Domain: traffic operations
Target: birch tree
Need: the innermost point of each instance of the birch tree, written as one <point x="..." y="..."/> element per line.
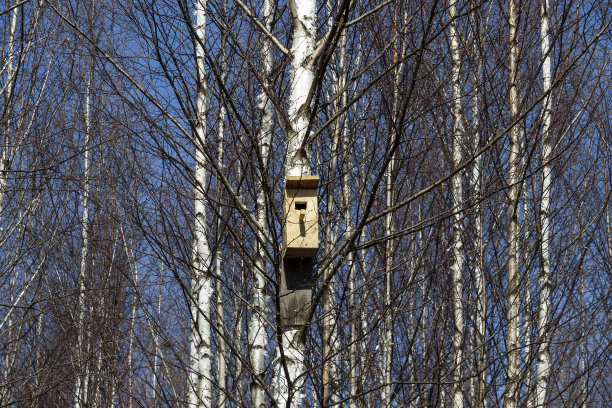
<point x="220" y="309"/>
<point x="512" y="315"/>
<point x="200" y="387"/>
<point x="457" y="195"/>
<point x="543" y="356"/>
<point x="7" y="90"/>
<point x="258" y="324"/>
<point x="330" y="337"/>
<point x="476" y="182"/>
<point x="81" y="382"/>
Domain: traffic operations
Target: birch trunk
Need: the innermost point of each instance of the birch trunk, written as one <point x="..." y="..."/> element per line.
<point x="155" y="333"/>
<point x="221" y="356"/>
<point x="200" y="392"/>
<point x="512" y="346"/>
<point x="257" y="330"/>
<point x="543" y="357"/>
<point x="303" y="15"/>
<point x="330" y="338"/>
<point x="10" y="77"/>
<point x="97" y="396"/>
<point x="80" y="386"/>
<point x="351" y="276"/>
<point x="221" y="350"/>
<point x="388" y="313"/>
<point x="38" y="363"/>
<point x="350" y="259"/>
<point x="476" y="180"/>
<point x="457" y="195"/>
<point x="7" y="152"/>
<point x="582" y="350"/>
<point x="329" y="318"/>
<point x="132" y="335"/>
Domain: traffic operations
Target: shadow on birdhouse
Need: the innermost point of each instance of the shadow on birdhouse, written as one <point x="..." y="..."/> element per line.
<point x="296" y="291"/>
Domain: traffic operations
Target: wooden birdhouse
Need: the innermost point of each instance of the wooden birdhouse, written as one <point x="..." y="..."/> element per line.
<point x="300" y="246"/>
<point x="301" y="217"/>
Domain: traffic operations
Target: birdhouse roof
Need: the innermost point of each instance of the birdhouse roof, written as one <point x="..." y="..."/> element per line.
<point x="302" y="182"/>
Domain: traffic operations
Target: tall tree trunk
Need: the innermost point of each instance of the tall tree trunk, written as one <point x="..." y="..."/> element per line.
<point x="155" y="333"/>
<point x="258" y="327"/>
<point x="221" y="332"/>
<point x="543" y="358"/>
<point x="80" y="386"/>
<point x="457" y="196"/>
<point x="329" y="315"/>
<point x="7" y="152"/>
<point x="476" y="181"/>
<point x="303" y="15"/>
<point x="132" y="333"/>
<point x="399" y="52"/>
<point x="221" y="346"/>
<point x="388" y="312"/>
<point x="330" y="338"/>
<point x="97" y="397"/>
<point x="6" y="131"/>
<point x="38" y="363"/>
<point x="355" y="315"/>
<point x="351" y="273"/>
<point x="512" y="346"/>
<point x="200" y="391"/>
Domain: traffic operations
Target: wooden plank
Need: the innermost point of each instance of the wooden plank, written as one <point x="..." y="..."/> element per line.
<point x="296" y="291"/>
<point x="302" y="182"/>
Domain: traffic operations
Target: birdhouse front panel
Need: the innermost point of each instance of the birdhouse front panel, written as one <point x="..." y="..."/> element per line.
<point x="301" y="223"/>
<point x="296" y="291"/>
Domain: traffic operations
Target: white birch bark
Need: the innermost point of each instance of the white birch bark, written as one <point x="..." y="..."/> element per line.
<point x="389" y="315"/>
<point x="424" y="298"/>
<point x="38" y="365"/>
<point x="81" y="380"/>
<point x="303" y="15"/>
<point x="329" y="318"/>
<point x="346" y="186"/>
<point x="350" y="259"/>
<point x="387" y="352"/>
<point x="293" y="348"/>
<point x="257" y="331"/>
<point x="97" y="396"/>
<point x="512" y="346"/>
<point x="155" y="333"/>
<point x="132" y="333"/>
<point x="10" y="73"/>
<point x="330" y="337"/>
<point x="221" y="348"/>
<point x="200" y="391"/>
<point x="457" y="196"/>
<point x="476" y="180"/>
<point x="582" y="349"/>
<point x="543" y="357"/>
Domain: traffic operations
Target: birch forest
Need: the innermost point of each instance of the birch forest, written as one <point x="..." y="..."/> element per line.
<point x="458" y="155"/>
